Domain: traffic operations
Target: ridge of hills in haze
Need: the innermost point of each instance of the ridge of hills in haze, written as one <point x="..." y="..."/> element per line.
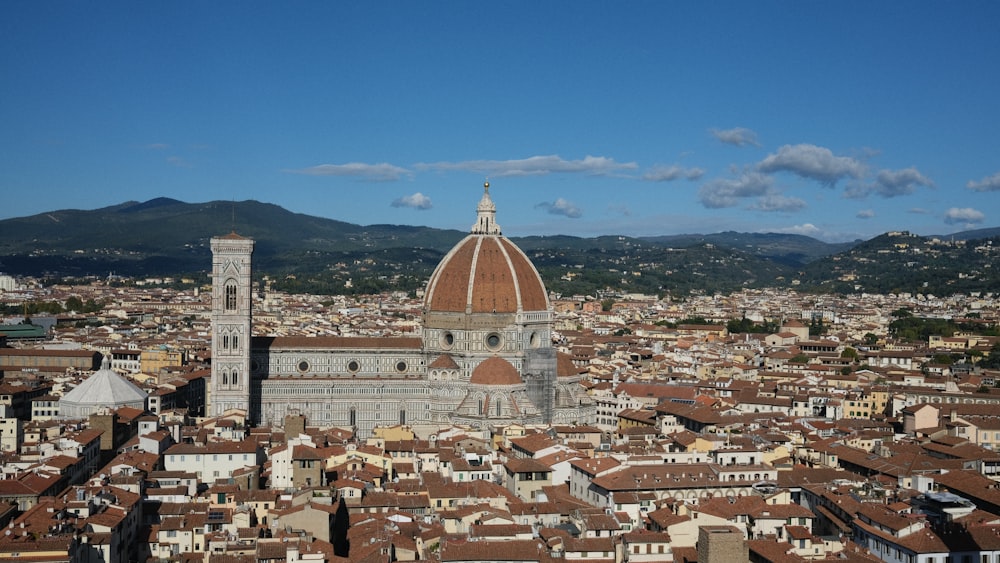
<point x="166" y="237"/>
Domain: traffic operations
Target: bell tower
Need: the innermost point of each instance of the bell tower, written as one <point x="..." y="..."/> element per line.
<point x="232" y="316"/>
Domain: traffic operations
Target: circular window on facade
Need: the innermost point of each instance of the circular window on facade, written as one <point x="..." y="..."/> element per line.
<point x="401" y="366"/>
<point x="447" y="340"/>
<point x="493" y="341"/>
<point x="303" y="366"/>
<point x="353" y="366"/>
<point x="533" y="340"/>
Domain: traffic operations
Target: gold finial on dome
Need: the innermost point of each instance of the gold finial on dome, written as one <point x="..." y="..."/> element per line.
<point x="486" y="185"/>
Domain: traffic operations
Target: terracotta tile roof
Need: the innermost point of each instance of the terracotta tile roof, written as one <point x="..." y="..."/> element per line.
<point x="444" y="361"/>
<point x="232" y="236"/>
<point x="565" y="366"/>
<point x="532" y="292"/>
<point x="495" y="371"/>
<point x="498" y="530"/>
<point x="494" y="288"/>
<point x="526" y="465"/>
<point x="454" y="550"/>
<point x="533" y="442"/>
<point x="485" y="274"/>
<point x="453" y="277"/>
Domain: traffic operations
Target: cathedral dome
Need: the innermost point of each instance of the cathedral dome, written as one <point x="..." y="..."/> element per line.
<point x="485" y="273"/>
<point x="495" y="371"/>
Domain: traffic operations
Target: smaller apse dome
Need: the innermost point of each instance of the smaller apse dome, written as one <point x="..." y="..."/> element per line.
<point x="495" y="371"/>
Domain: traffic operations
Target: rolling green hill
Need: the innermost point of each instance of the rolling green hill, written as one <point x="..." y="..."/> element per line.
<point x="311" y="254"/>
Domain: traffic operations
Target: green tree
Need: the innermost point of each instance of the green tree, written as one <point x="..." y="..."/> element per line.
<point x="992" y="360"/>
<point x="816" y="327"/>
<point x="942" y="359"/>
<point x="849" y="353"/>
<point x="742" y="325"/>
<point x="74" y="303"/>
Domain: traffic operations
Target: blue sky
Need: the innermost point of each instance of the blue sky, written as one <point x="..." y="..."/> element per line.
<point x="838" y="120"/>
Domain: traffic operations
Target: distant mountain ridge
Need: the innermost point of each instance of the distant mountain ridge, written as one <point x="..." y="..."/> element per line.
<point x="164" y="236"/>
<point x="788" y="249"/>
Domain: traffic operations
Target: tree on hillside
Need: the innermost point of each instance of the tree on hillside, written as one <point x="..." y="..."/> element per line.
<point x="902" y="313"/>
<point x="992" y="360"/>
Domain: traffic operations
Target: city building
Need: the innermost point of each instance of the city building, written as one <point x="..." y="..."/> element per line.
<point x="103" y="390"/>
<point x="484" y="355"/>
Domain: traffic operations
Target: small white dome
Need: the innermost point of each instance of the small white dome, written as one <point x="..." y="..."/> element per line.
<point x="103" y="389"/>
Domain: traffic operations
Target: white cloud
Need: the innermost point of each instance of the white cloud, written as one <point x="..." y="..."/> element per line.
<point x="918" y="211"/>
<point x="381" y="172"/>
<point x="892" y="183"/>
<point x="987" y="184"/>
<point x="778" y="202"/>
<point x="660" y="173"/>
<point x="534" y="166"/>
<point x="963" y="216"/>
<point x="738" y="136"/>
<point x="725" y="192"/>
<point x="865" y="214"/>
<point x="561" y="207"/>
<point x="416" y="201"/>
<point x="178" y="162"/>
<point x="811" y="161"/>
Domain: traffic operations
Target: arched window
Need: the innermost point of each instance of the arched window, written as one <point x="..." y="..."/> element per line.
<point x="235" y="379"/>
<point x="225" y="341"/>
<point x="231" y="296"/>
<point x="354" y="417"/>
<point x="498" y="407"/>
<point x="236" y="342"/>
<point x="225" y="378"/>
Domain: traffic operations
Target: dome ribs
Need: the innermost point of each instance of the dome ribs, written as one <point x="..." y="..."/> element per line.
<point x="494" y="289"/>
<point x="486" y="274"/>
<point x="532" y="295"/>
<point x="450" y="283"/>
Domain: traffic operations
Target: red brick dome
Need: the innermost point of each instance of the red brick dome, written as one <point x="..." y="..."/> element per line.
<point x="485" y="273"/>
<point x="495" y="371"/>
